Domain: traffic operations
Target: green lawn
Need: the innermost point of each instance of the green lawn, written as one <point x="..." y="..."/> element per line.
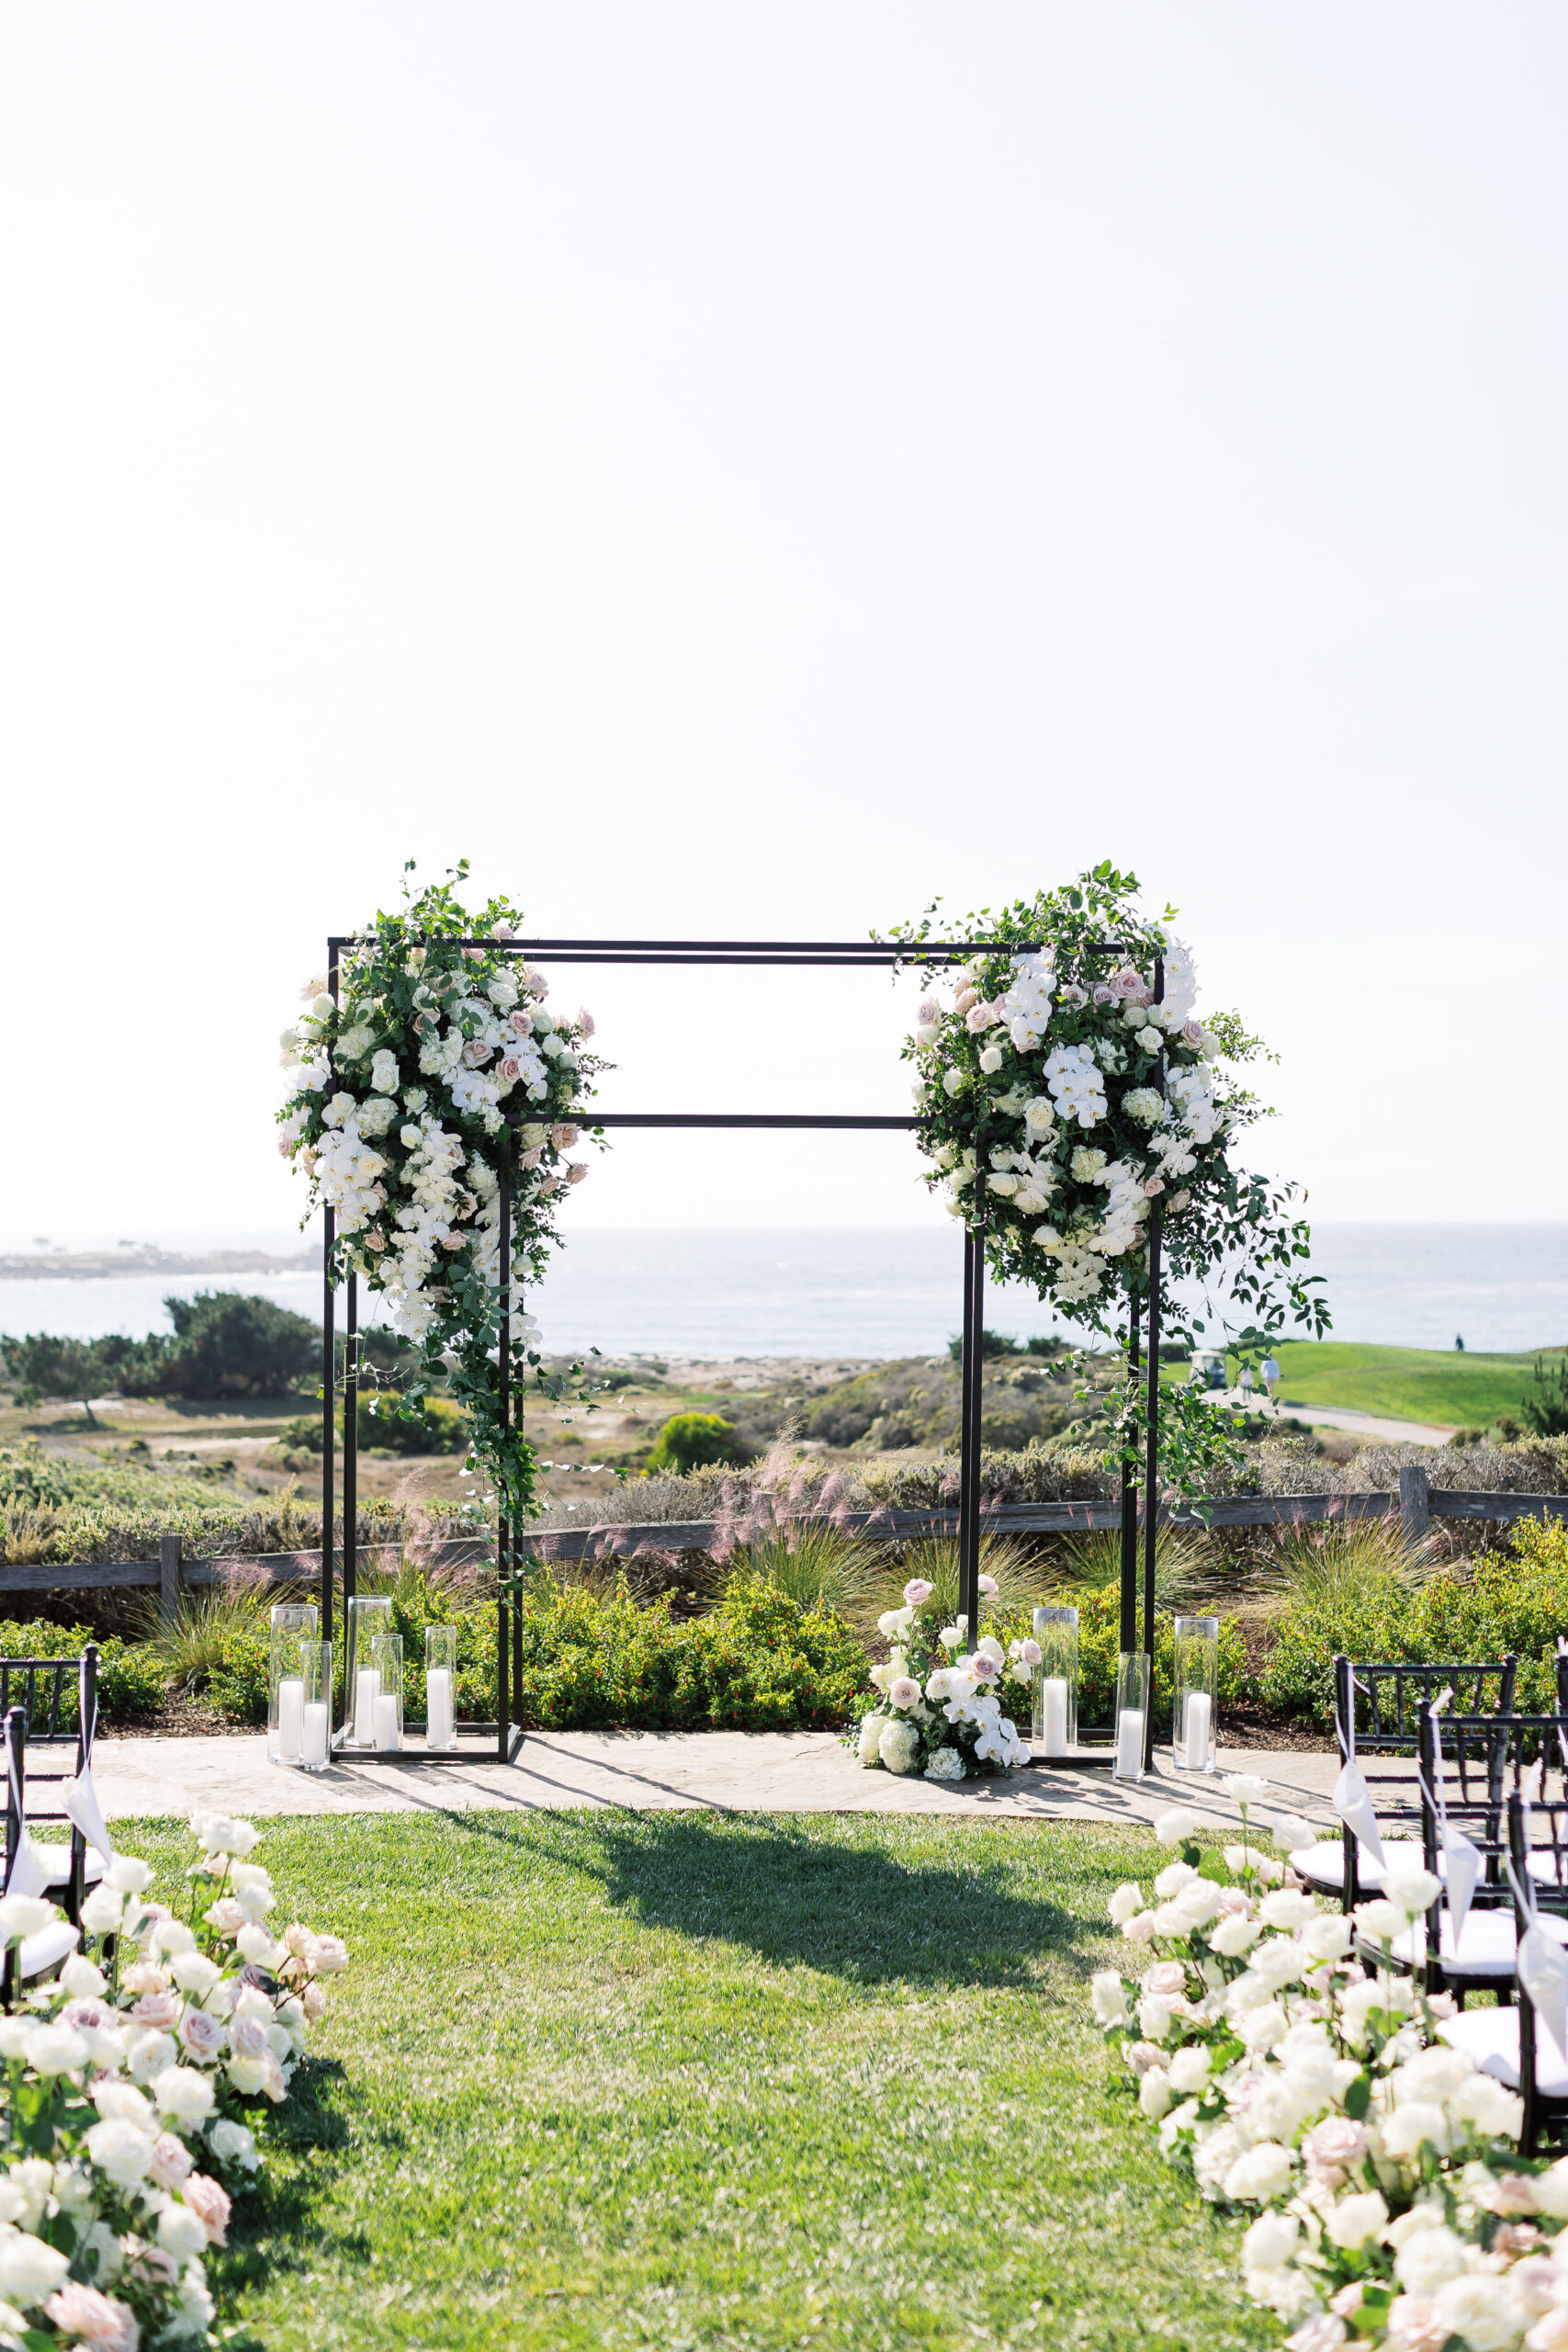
<point x="1406" y="1384"/>
<point x="680" y="2080"/>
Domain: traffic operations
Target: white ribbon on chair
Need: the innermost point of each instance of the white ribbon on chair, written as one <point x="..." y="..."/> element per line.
<point x="1461" y="1859"/>
<point x="1542" y="1963"/>
<point x="27" y="1871"/>
<point x="82" y="1808"/>
<point x="1352" y="1800"/>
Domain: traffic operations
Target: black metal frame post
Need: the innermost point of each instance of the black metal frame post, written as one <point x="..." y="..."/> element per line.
<point x="1151" y="1432"/>
<point x="511" y="1541"/>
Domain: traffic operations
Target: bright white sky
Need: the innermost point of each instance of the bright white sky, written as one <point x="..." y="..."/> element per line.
<point x="741" y="469"/>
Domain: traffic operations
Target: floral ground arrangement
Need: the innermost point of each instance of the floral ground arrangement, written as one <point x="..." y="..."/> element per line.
<point x="1292" y="2083"/>
<point x="606" y="2081"/>
<point x="133" y="2078"/>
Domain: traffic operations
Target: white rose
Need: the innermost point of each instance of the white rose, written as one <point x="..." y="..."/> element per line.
<point x="1287" y="1907"/>
<point x="1429" y="2258"/>
<point x="1108" y="1996"/>
<point x="1355" y="2219"/>
<point x="81" y="1979"/>
<point x="1175" y="1827"/>
<point x="28" y="2269"/>
<point x="1552" y="2191"/>
<point x="953" y="1081"/>
<point x="991" y="1061"/>
<point x="1124" y="1902"/>
<point x="1172" y="1879"/>
<point x="102" y="1911"/>
<point x="1234" y="1935"/>
<point x="1265" y="2171"/>
<point x="194" y="1973"/>
<point x="1190" y="2069"/>
<point x="1155" y="2094"/>
<point x="233" y="2143"/>
<point x="183" y="2095"/>
<point x="24" y="1915"/>
<point x="1328" y="1937"/>
<point x="121" y="2152"/>
<point x="1271" y="2242"/>
<point x="180" y="2232"/>
<point x="172" y="1935"/>
<point x="1484" y="2312"/>
<point x="870" y="1737"/>
<point x="1245" y="1788"/>
<point x="56" y="2049"/>
<point x="1381" y="1921"/>
<point x="1412" y="2127"/>
<point x="1492" y="2111"/>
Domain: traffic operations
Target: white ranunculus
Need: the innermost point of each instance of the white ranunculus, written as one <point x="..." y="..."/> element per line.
<point x="1481" y="2311"/>
<point x="1124" y="1902"/>
<point x="57" y="2050"/>
<point x="1155" y="2094"/>
<point x="181" y="2232"/>
<point x="120" y="2151"/>
<point x="1190" y="2069"/>
<point x="1268" y="2170"/>
<point x="1271" y="2242"/>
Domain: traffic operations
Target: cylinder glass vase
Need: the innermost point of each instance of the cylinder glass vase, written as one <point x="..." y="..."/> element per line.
<point x="386" y="1661"/>
<point x="441" y="1686"/>
<point x="368" y="1615"/>
<point x="1054" y="1729"/>
<point x="1196" y="1703"/>
<point x="1132" y="1713"/>
<point x="316" y="1706"/>
<point x="292" y="1623"/>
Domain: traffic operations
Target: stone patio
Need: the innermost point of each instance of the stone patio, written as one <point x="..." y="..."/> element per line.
<point x="656" y="1772"/>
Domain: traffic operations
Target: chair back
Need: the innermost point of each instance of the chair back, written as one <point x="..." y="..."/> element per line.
<point x="1377" y="1711"/>
<point x="1469" y="1765"/>
<point x="28" y="1788"/>
<point x="1537" y="1870"/>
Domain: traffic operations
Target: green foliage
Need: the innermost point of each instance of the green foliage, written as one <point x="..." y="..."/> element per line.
<point x="385" y="1423"/>
<point x="760" y="1662"/>
<point x="130" y="1679"/>
<point x="224" y="1344"/>
<point x="1545" y="1408"/>
<point x="689" y="1440"/>
<point x="1515" y="1600"/>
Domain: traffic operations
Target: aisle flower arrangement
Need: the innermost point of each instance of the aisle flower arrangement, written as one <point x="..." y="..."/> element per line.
<point x="398" y="1114"/>
<point x="129" y="2081"/>
<point x="942" y="1708"/>
<point x="1061" y="1092"/>
<point x="1393" y="2205"/>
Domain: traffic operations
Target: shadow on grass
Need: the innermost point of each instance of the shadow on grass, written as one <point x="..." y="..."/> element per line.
<point x="803" y="1897"/>
<point x="275" y="2225"/>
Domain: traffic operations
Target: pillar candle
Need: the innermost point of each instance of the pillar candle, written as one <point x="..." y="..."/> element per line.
<point x="313" y="1734"/>
<point x="290" y="1716"/>
<point x="1054" y="1715"/>
<point x="386" y="1733"/>
<point x="439" y="1729"/>
<point x="367" y="1691"/>
<point x="1130" y="1744"/>
<point x="1196" y="1726"/>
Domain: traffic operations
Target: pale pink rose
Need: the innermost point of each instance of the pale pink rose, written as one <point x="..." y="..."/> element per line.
<point x="329" y="1955"/>
<point x="1534" y="2281"/>
<point x="585" y="1022"/>
<point x="1516" y="2238"/>
<point x="93" y="2318"/>
<point x="1414" y="2325"/>
<point x="228" y="1917"/>
<point x="1442" y="2004"/>
<point x="1349" y="2301"/>
<point x="576" y="1170"/>
<point x="373" y="1241"/>
<point x="1142" y="2055"/>
<point x="983" y="1668"/>
<point x="966" y="997"/>
<point x="1103" y="992"/>
<point x="927" y="1011"/>
<point x="1192" y="1033"/>
<point x="145" y="1977"/>
<point x="1126" y="982"/>
<point x="296" y="1939"/>
<point x="1513" y="2193"/>
<point x="160" y="2010"/>
<point x="1152" y="1186"/>
<point x="1332" y="2147"/>
<point x="313" y="2001"/>
<point x="1166" y="1977"/>
<point x="1029" y="1652"/>
<point x="552" y="1184"/>
<point x="524" y="1023"/>
<point x="532" y="1159"/>
<point x="1550" y="2333"/>
<point x="1323" y="2333"/>
<point x="202" y="2035"/>
<point x="1140" y="1927"/>
<point x="917" y="1592"/>
<point x="978" y="1017"/>
<point x="536" y="983"/>
<point x="563" y="1138"/>
<point x="158" y="2269"/>
<point x="511" y="1067"/>
<point x="93" y="2016"/>
<point x="451" y="1241"/>
<point x="1235" y="1903"/>
<point x="473" y="955"/>
<point x="987" y="1587"/>
<point x="905" y="1693"/>
<point x="171" y="2161"/>
<point x="210" y="2204"/>
<point x="247" y="2037"/>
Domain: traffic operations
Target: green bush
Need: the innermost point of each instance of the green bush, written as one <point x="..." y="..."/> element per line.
<point x="1513" y="1600"/>
<point x="130" y="1679"/>
<point x="433" y="1426"/>
<point x="689" y="1440"/>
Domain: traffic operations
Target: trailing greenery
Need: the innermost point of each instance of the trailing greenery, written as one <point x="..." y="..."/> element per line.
<point x="1512" y="1600"/>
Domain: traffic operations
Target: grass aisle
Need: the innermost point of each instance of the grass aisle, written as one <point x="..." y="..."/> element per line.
<point x="682" y="2080"/>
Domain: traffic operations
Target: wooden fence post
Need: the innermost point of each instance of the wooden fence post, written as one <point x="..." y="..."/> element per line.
<point x="168" y="1579"/>
<point x="1415" y="1503"/>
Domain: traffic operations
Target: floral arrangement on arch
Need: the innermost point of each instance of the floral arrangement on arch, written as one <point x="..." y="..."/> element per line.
<point x="399" y="1115"/>
<point x="940" y="1712"/>
<point x="1058" y="1094"/>
<point x="1393" y="2207"/>
<point x="127" y="2081"/>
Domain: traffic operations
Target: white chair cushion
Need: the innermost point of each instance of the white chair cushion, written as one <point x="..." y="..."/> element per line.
<point x="1491" y="2038"/>
<point x="1323" y="1865"/>
<point x="56" y="1863"/>
<point x="45" y="1950"/>
<point x="1487" y="1943"/>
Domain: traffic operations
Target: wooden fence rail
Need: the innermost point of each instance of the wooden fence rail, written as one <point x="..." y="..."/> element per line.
<point x="1418" y="1502"/>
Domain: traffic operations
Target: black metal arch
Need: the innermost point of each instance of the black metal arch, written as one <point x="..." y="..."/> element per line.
<point x="844" y="955"/>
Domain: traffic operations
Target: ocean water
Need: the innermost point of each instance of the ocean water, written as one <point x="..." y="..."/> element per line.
<point x="891" y="1291"/>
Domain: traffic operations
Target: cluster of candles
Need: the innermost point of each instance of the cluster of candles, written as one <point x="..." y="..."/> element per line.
<point x="300" y="1685"/>
<point x="1054" y="1731"/>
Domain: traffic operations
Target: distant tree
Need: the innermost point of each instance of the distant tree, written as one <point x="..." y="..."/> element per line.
<point x="1546" y="1407"/>
<point x="688" y="1440"/>
<point x="228" y="1344"/>
<point x="42" y="1365"/>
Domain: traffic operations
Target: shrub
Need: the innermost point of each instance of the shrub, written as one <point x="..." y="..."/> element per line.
<point x="1515" y="1599"/>
<point x="689" y="1440"/>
